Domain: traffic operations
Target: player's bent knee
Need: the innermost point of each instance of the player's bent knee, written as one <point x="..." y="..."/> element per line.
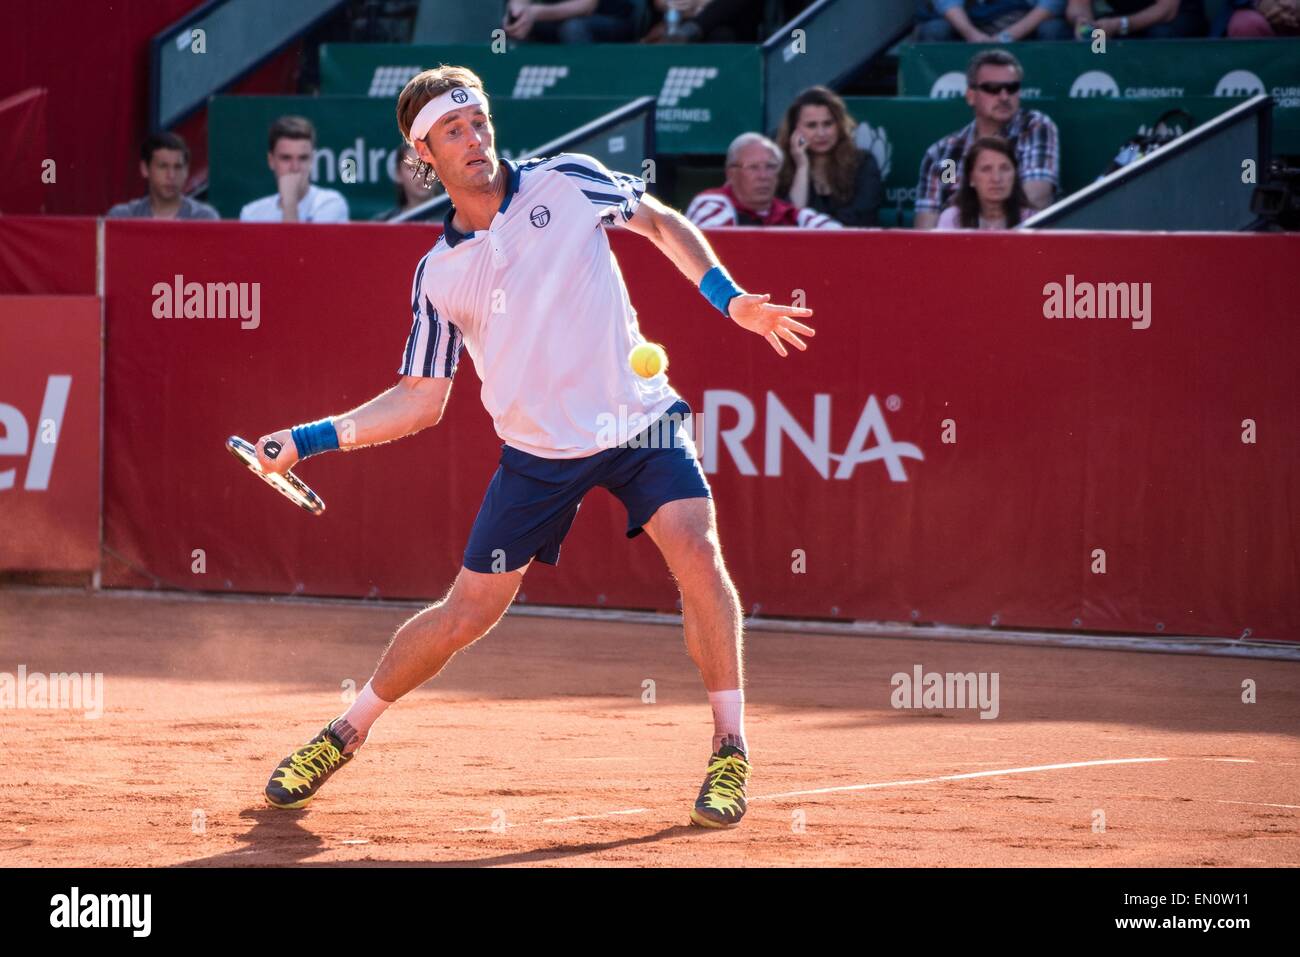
<point x="468" y="623"/>
<point x="696" y="556"/>
<point x="476" y="603"/>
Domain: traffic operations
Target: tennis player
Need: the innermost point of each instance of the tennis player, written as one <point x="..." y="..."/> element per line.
<point x="523" y="277"/>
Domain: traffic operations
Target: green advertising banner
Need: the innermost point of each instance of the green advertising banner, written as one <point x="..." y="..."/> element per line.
<point x="707" y="94"/>
<point x="357" y="143"/>
<point x="898" y="131"/>
<point x="1130" y="70"/>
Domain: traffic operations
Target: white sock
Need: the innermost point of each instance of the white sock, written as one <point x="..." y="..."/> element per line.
<point x="728" y="718"/>
<point x="354" y="725"/>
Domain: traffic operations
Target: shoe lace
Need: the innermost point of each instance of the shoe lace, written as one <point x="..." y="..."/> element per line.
<point x="727" y="776"/>
<point x="314" y="759"/>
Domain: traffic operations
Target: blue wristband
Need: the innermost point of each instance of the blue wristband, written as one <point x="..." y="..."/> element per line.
<point x="719" y="288"/>
<point x="314" y="438"/>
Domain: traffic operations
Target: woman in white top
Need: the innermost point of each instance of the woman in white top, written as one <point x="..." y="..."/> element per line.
<point x="991" y="194"/>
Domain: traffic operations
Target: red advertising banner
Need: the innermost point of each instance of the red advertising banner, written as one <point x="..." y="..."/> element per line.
<point x="50" y="255"/>
<point x="967" y="440"/>
<point x="49" y="433"/>
<point x="96" y="149"/>
<point x="24" y="152"/>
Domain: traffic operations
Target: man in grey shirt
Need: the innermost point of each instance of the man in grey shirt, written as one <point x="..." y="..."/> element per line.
<point x="164" y="165"/>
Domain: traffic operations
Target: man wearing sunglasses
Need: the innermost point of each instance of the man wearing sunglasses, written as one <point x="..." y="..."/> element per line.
<point x="993" y="92"/>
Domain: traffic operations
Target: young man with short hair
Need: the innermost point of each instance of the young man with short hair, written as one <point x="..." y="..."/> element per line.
<point x="164" y="166"/>
<point x="291" y="145"/>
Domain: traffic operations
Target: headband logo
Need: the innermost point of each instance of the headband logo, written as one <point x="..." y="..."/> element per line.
<point x="460" y="96"/>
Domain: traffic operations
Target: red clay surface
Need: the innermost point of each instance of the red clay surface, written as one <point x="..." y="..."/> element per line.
<point x="543" y="720"/>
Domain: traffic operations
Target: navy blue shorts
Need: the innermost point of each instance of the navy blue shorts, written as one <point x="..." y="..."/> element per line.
<point x="531" y="501"/>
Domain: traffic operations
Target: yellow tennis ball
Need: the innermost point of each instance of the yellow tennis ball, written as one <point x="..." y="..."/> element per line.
<point x="648" y="360"/>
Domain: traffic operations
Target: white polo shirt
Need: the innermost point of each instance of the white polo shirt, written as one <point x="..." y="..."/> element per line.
<point x="319" y="205"/>
<point x="538" y="300"/>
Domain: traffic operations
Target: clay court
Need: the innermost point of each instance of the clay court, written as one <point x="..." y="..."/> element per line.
<point x="535" y="748"/>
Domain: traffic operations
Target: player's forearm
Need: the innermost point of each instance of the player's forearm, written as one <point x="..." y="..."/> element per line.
<point x="681" y="241"/>
<point x="391" y="415"/>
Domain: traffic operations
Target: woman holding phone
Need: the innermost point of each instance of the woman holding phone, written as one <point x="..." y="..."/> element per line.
<point x="823" y="168"/>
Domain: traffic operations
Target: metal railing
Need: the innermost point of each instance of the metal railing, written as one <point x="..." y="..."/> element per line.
<point x="217" y="44"/>
<point x="826" y="44"/>
<point x="1198" y="182"/>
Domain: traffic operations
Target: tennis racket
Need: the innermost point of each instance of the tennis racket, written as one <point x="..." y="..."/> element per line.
<point x="288" y="484"/>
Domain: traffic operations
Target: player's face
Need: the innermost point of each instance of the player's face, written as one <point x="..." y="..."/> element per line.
<point x="753" y="175"/>
<point x="166" y="172"/>
<point x="992" y="177"/>
<point x="997" y="107"/>
<point x="463" y="150"/>
<point x="817" y="126"/>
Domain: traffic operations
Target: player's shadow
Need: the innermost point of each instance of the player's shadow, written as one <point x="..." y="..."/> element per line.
<point x="279" y="838"/>
<point x="542" y="855"/>
<point x="276" y="839"/>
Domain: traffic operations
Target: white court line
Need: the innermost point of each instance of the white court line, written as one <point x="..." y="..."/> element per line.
<point x="1292" y="807"/>
<point x="955" y="777"/>
<point x="847" y="787"/>
<point x="551" y="820"/>
<point x="584" y="817"/>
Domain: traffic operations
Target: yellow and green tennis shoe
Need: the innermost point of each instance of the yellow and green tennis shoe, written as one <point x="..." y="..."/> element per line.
<point x="722" y="798"/>
<point x="299" y="776"/>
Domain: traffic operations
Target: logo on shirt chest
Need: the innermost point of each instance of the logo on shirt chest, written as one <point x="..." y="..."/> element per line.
<point x="539" y="216"/>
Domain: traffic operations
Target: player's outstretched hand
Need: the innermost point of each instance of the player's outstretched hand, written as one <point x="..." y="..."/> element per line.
<point x="276" y="452"/>
<point x="774" y="323"/>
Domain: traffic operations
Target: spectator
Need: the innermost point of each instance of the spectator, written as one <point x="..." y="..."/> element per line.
<point x="1265" y="18"/>
<point x="290" y="146"/>
<point x="991" y="195"/>
<point x="165" y="166"/>
<point x="571" y="21"/>
<point x="1147" y="19"/>
<point x="991" y="21"/>
<point x="711" y="21"/>
<point x="993" y="92"/>
<point x="416" y="184"/>
<point x="748" y="198"/>
<point x="822" y="167"/>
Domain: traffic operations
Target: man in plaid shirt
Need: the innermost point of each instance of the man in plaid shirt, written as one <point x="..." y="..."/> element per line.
<point x="993" y="92"/>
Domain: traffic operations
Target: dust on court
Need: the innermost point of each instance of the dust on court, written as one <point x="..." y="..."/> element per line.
<point x="537" y="747"/>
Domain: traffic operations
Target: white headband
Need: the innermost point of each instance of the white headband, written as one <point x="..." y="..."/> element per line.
<point x="439" y="106"/>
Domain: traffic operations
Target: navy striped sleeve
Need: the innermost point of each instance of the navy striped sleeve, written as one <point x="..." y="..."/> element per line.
<point x="613" y="197"/>
<point x="434" y="343"/>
